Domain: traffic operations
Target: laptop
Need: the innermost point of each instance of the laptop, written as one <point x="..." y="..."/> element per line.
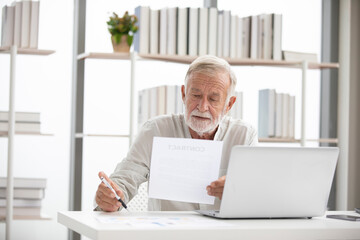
<point x="277" y="182"/>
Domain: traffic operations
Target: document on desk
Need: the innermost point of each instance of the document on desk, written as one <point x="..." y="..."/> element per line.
<point x="181" y="168"/>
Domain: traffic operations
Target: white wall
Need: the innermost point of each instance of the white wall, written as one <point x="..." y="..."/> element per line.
<point x="44" y="84"/>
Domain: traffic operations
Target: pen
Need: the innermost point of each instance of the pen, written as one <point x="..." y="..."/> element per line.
<point x="117" y="197"/>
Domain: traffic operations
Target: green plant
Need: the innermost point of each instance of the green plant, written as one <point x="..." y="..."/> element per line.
<point x="120" y="26"/>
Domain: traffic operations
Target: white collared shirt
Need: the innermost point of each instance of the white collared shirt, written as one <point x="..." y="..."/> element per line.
<point x="134" y="168"/>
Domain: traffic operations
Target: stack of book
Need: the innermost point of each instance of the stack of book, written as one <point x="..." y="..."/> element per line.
<point x="167" y="99"/>
<point x="28" y="195"/>
<point x="25" y="122"/>
<point x="200" y="31"/>
<point x="276" y="114"/>
<point x="20" y="24"/>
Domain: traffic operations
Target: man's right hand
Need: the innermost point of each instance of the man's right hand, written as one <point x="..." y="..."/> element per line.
<point x="105" y="198"/>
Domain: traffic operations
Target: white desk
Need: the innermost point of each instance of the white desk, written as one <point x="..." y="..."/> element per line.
<point x="90" y="225"/>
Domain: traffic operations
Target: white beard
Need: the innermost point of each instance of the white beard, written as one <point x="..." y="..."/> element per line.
<point x="199" y="126"/>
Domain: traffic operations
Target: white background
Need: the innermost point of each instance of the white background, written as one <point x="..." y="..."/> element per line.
<point x="44" y="85"/>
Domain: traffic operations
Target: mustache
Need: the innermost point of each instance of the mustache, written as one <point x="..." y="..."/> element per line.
<point x="197" y="113"/>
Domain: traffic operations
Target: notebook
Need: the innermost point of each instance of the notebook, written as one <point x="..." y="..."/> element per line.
<point x="277" y="182"/>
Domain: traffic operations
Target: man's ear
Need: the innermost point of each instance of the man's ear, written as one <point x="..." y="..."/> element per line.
<point x="231" y="102"/>
<point x="183" y="93"/>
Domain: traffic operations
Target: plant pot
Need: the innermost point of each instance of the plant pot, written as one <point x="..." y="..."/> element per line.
<point x="122" y="46"/>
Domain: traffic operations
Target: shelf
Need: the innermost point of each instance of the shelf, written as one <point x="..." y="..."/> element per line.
<point x="82" y="135"/>
<point x="5" y="134"/>
<point x="42" y="217"/>
<point x="98" y="55"/>
<point x="242" y="62"/>
<point x="287" y="140"/>
<point x="27" y="51"/>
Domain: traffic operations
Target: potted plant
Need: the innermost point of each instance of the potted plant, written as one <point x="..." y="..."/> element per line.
<point x="122" y="31"/>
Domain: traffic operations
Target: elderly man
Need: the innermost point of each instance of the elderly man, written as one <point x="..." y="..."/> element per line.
<point x="208" y="97"/>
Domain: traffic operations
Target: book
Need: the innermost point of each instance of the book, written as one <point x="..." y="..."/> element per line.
<point x="25" y="193"/>
<point x="203" y="31"/>
<point x="299" y="56"/>
<point x="285" y="116"/>
<point x="22" y="203"/>
<point x="28" y="127"/>
<point x="237" y="109"/>
<point x="226" y="34"/>
<point x="267" y="48"/>
<point x="276" y="36"/>
<point x="254" y="37"/>
<point x="153" y="105"/>
<point x="239" y="37"/>
<point x="154" y="31"/>
<point x="246" y="37"/>
<point x="171" y="31"/>
<point x="161" y="100"/>
<point x="291" y="129"/>
<point x="170" y="99"/>
<point x="17" y="23"/>
<point x="22" y="211"/>
<point x="163" y="30"/>
<point x="193" y="34"/>
<point x="21" y="116"/>
<point x="25" y="182"/>
<point x="212" y="34"/>
<point x="182" y="32"/>
<point x="34" y="24"/>
<point x="7" y="26"/>
<point x="25" y="24"/>
<point x="278" y="115"/>
<point x="179" y="101"/>
<point x="141" y="37"/>
<point x="220" y="33"/>
<point x="260" y="36"/>
<point x="233" y="36"/>
<point x="266" y="123"/>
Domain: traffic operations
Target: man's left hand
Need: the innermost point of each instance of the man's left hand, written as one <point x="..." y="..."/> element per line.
<point x="216" y="188"/>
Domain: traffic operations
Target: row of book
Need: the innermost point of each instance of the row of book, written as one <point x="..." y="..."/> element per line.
<point x="200" y="31"/>
<point x="167" y="99"/>
<point x="276" y="114"/>
<point x="28" y="196"/>
<point x="20" y="24"/>
<point x="25" y="122"/>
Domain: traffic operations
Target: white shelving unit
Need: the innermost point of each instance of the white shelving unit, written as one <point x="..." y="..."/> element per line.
<point x="14" y="51"/>
<point x="303" y="66"/>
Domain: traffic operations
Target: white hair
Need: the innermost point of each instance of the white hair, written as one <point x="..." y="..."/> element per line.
<point x="210" y="66"/>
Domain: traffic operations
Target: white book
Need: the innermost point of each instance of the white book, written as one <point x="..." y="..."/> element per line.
<point x="254" y="37"/>
<point x="22" y="211"/>
<point x="278" y="115"/>
<point x="212" y="37"/>
<point x="239" y="37"/>
<point x="203" y="31"/>
<point x="182" y="32"/>
<point x="267" y="50"/>
<point x="246" y="37"/>
<point x="140" y="117"/>
<point x="154" y="31"/>
<point x="153" y="104"/>
<point x="220" y="33"/>
<point x="277" y="36"/>
<point x="233" y="36"/>
<point x="161" y="100"/>
<point x="22" y="203"/>
<point x="179" y="101"/>
<point x="142" y="36"/>
<point x="291" y="129"/>
<point x="17" y="23"/>
<point x="171" y="37"/>
<point x="28" y="127"/>
<point x="34" y="24"/>
<point x="25" y="182"/>
<point x="170" y="99"/>
<point x="267" y="106"/>
<point x="285" y="116"/>
<point x="261" y="36"/>
<point x="236" y="110"/>
<point x="25" y="193"/>
<point x="226" y="34"/>
<point x="25" y="24"/>
<point x="145" y="102"/>
<point x="7" y="35"/>
<point x="21" y="116"/>
<point x="163" y="30"/>
<point x="193" y="31"/>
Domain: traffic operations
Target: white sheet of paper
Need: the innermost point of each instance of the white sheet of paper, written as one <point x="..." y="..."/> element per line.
<point x="181" y="168"/>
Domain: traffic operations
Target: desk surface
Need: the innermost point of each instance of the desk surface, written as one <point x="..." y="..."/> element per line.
<point x="191" y="225"/>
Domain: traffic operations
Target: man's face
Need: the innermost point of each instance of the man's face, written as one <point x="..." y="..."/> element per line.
<point x="205" y="101"/>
